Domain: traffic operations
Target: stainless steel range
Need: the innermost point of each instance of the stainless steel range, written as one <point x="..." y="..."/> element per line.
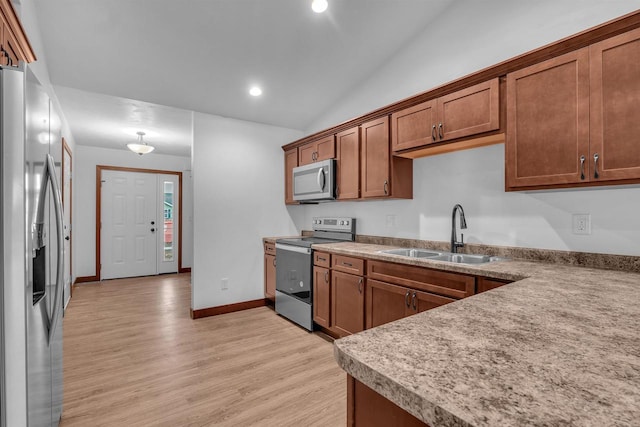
<point x="294" y="268"/>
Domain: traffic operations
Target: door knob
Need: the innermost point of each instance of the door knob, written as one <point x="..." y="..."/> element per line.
<point x="153" y="230"/>
<point x="153" y="223"/>
<point x="66" y="238"/>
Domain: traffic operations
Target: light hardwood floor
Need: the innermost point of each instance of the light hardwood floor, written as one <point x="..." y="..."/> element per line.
<point x="134" y="357"/>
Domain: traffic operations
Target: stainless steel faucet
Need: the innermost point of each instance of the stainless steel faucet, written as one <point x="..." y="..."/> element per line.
<point x="463" y="225"/>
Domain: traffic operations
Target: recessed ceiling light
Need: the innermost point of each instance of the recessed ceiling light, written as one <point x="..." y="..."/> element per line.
<point x="319" y="6"/>
<point x="255" y="91"/>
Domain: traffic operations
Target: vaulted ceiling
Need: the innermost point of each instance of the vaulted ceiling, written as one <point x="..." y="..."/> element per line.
<point x="111" y="60"/>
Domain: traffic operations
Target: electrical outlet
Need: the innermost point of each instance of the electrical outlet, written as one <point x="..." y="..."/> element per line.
<point x="391" y="220"/>
<point x="224" y="283"/>
<point x="581" y="223"/>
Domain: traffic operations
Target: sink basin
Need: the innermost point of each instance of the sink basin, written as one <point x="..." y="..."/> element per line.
<point x="413" y="253"/>
<point x="444" y="256"/>
<point x="467" y="258"/>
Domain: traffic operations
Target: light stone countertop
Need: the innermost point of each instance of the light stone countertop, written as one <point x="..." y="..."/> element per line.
<point x="561" y="346"/>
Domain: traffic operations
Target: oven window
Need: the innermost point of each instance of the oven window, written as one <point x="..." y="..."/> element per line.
<point x="293" y="274"/>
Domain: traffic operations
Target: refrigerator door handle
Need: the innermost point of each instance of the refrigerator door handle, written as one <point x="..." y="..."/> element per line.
<point x="49" y="175"/>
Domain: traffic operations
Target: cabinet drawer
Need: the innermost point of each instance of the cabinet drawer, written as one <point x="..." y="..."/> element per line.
<point x="348" y="264"/>
<point x="486" y="284"/>
<point x="439" y="282"/>
<point x="269" y="248"/>
<point x="322" y="259"/>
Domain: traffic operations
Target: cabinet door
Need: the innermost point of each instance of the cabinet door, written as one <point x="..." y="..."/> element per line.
<point x="290" y="162"/>
<point x="548" y="122"/>
<point x="469" y="111"/>
<point x="306" y="154"/>
<point x="325" y="148"/>
<point x="385" y="303"/>
<point x="347" y="303"/>
<point x="414" y="126"/>
<point x="375" y="158"/>
<point x="348" y="164"/>
<point x="615" y="108"/>
<point x="321" y="296"/>
<point x="423" y="301"/>
<point x="269" y="276"/>
<point x="10" y="46"/>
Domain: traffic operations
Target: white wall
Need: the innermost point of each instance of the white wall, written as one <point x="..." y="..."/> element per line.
<point x="85" y="161"/>
<point x="469" y="36"/>
<point x="238" y="184"/>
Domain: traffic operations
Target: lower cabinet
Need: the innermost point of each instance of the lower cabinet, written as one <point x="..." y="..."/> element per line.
<point x="367" y="408"/>
<point x="322" y="296"/>
<point x="347" y="303"/>
<point x="386" y="302"/>
<point x="486" y="284"/>
<point x="270" y="271"/>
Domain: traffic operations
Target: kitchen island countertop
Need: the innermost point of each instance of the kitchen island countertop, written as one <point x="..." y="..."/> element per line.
<point x="559" y="346"/>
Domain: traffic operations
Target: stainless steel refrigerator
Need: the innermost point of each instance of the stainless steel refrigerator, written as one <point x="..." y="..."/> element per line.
<point x="32" y="254"/>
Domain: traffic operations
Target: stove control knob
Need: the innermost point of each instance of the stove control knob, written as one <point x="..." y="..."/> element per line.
<point x="346" y="223"/>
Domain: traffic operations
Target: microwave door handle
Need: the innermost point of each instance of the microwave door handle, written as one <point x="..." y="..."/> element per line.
<point x="321" y="179"/>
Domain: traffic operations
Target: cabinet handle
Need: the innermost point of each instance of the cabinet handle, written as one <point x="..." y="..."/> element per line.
<point x="413" y="301"/>
<point x="433" y="133"/>
<point x="360" y="285"/>
<point x="274" y="262"/>
<point x="406" y="296"/>
<point x="440" y="130"/>
<point x="386" y="187"/>
<point x="321" y="259"/>
<point x="326" y="276"/>
<point x="595" y="166"/>
<point x="348" y="264"/>
<point x="582" y="167"/>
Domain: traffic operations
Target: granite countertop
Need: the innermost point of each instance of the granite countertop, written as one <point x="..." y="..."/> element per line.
<point x="560" y="346"/>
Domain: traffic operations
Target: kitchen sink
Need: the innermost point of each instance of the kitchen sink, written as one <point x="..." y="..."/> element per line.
<point x="444" y="256"/>
<point x="413" y="253"/>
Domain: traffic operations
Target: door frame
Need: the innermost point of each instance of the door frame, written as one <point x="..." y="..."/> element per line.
<point x="66" y="148"/>
<point x="99" y="169"/>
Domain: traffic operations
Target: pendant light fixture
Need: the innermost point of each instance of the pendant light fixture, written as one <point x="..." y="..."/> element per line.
<point x="141" y="147"/>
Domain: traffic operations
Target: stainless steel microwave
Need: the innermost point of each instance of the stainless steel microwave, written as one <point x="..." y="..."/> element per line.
<point x="315" y="182"/>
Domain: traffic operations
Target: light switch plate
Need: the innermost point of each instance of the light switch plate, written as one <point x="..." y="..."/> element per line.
<point x="581" y="224"/>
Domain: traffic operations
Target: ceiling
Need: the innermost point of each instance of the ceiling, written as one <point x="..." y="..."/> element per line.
<point x="203" y="55"/>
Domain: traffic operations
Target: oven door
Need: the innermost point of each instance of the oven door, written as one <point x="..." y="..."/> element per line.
<point x="294" y="271"/>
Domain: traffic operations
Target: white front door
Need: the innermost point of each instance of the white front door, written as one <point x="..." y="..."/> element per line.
<point x="130" y="227"/>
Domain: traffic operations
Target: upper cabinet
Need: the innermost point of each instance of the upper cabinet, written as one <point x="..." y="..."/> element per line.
<point x="383" y="175"/>
<point x="348" y="164"/>
<point x="572" y="120"/>
<point x="615" y="108"/>
<point x="316" y="151"/>
<point x="462" y="114"/>
<point x="14" y="45"/>
<point x="548" y="122"/>
<point x="290" y="162"/>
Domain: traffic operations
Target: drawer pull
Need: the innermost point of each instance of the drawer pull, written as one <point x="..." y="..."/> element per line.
<point x="321" y="259"/>
<point x="348" y="264"/>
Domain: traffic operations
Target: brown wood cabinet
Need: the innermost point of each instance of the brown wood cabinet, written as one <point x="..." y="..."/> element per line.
<point x="465" y="113"/>
<point x="290" y="162"/>
<point x="365" y="407"/>
<point x="382" y="175"/>
<point x="486" y="284"/>
<point x="347" y="303"/>
<point x="386" y="302"/>
<point x="348" y="164"/>
<point x="316" y="151"/>
<point x="572" y="120"/>
<point x="270" y="271"/>
<point x="444" y="283"/>
<point x="14" y="45"/>
<point x="548" y="122"/>
<point x="615" y="108"/>
<point x="322" y="296"/>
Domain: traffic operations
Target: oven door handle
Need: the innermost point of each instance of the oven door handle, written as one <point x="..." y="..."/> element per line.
<point x="290" y="248"/>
